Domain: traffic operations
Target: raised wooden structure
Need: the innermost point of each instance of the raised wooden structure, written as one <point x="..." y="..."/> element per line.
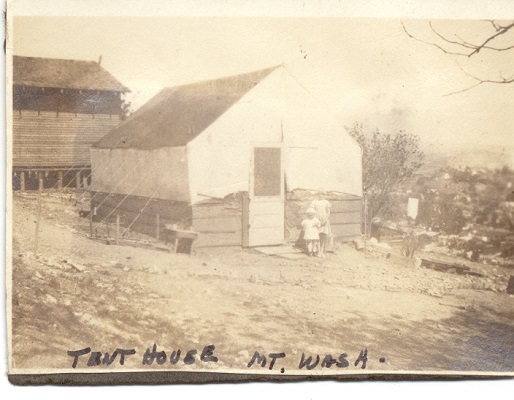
<point x="60" y="108"/>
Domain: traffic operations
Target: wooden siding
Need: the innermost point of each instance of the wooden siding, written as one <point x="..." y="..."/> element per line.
<point x="45" y="139"/>
<point x="218" y="222"/>
<point x="130" y="207"/>
<point x="346" y="218"/>
<point x="66" y="100"/>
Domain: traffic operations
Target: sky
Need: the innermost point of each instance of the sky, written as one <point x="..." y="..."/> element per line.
<point x="362" y="70"/>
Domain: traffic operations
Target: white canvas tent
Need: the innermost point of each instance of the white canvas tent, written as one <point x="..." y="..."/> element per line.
<point x="261" y="133"/>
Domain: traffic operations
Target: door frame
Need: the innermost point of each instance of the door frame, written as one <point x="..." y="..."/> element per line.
<point x="247" y="202"/>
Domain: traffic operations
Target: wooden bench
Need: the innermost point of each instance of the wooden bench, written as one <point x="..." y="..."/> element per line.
<point x="183" y="240"/>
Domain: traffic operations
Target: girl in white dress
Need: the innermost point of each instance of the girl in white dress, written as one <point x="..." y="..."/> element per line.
<point x="322" y="208"/>
<point x="311" y="226"/>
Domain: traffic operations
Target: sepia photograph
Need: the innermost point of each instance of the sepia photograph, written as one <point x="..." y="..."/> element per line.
<point x="259" y="198"/>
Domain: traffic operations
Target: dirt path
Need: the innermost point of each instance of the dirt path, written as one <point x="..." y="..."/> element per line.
<point x="79" y="293"/>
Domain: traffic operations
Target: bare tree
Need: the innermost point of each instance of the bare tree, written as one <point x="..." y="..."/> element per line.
<point x="457" y="46"/>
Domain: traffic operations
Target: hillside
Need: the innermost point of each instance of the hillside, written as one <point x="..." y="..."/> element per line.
<point x="492" y="158"/>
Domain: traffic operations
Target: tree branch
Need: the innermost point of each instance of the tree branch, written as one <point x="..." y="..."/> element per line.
<point x="469" y="49"/>
<point x="480" y="81"/>
<point x="464" y="90"/>
<point x="474" y="46"/>
<point x="495" y="25"/>
<point x="461" y="43"/>
<point x="502" y="80"/>
<point x="501" y="31"/>
<point x="432" y="44"/>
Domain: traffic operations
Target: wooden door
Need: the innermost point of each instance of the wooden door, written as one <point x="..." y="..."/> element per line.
<point x="266" y="203"/>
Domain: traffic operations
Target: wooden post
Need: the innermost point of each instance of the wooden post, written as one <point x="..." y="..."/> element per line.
<point x="245" y="220"/>
<point x="157" y="229"/>
<point x="77" y="180"/>
<point x="41" y="182"/>
<point x="117" y="238"/>
<point x="366" y="228"/>
<point x="365" y="212"/>
<point x="22" y="181"/>
<point x="510" y="285"/>
<point x="91" y="222"/>
<point x="84" y="182"/>
<point x="59" y="181"/>
<point x="38" y="212"/>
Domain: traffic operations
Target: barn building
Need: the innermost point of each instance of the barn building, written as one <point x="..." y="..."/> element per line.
<point x="237" y="159"/>
<point x="60" y="108"/>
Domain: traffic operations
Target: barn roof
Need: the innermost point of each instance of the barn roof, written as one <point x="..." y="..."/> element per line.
<point x="177" y="115"/>
<point x="63" y="74"/>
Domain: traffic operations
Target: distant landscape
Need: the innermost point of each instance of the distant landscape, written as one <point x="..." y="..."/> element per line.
<point x="496" y="158"/>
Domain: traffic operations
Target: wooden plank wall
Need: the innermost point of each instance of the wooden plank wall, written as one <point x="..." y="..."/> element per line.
<point x="66" y="100"/>
<point x="219" y="222"/>
<point x="345" y="218"/>
<point x="129" y="208"/>
<point x="57" y="139"/>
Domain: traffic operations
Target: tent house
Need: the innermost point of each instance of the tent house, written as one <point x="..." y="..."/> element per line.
<point x="234" y="158"/>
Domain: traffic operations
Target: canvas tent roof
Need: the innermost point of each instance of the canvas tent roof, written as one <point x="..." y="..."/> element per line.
<point x="200" y="140"/>
<point x="177" y="115"/>
<point x="64" y="74"/>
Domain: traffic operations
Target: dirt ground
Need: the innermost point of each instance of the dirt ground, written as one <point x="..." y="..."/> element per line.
<point x="77" y="293"/>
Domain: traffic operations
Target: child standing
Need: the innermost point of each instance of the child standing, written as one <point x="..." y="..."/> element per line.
<point x="311" y="226"/>
<point x="322" y="207"/>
